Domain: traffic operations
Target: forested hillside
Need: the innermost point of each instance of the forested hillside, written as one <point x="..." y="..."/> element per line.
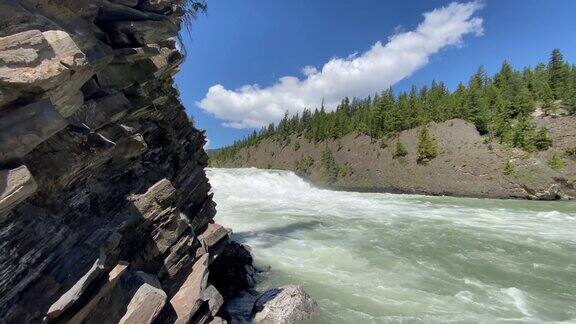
<point x="501" y="107"/>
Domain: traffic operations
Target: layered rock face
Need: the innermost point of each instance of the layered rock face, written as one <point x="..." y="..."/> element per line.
<point x="105" y="210"/>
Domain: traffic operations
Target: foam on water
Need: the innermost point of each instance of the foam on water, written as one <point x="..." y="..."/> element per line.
<point x="374" y="258"/>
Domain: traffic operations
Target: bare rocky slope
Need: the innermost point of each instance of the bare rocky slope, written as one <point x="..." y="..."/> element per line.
<point x="465" y="166"/>
<point x="105" y="211"/>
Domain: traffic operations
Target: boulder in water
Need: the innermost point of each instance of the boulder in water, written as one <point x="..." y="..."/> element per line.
<point x="283" y="305"/>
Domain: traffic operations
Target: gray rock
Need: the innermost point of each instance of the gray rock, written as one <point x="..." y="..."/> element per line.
<point x="23" y="128"/>
<point x="103" y="111"/>
<point x="159" y="6"/>
<point x="73" y="294"/>
<point x="214" y="299"/>
<point x="104" y="292"/>
<point x="284" y="305"/>
<point x="147" y="301"/>
<point x="187" y="301"/>
<point x="15" y="186"/>
<point x="212" y="236"/>
<point x="130" y="3"/>
<point x="88" y="105"/>
<point x="130" y="147"/>
<point x="140" y="33"/>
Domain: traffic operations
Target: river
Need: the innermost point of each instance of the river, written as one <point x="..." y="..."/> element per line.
<point x="388" y="258"/>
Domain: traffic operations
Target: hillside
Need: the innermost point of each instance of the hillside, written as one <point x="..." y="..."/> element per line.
<point x="506" y="136"/>
<point x="465" y="165"/>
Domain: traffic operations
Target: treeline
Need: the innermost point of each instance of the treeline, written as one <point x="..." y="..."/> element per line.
<point x="500" y="106"/>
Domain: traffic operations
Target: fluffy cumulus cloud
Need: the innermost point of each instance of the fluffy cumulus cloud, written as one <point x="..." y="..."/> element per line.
<point x="355" y="76"/>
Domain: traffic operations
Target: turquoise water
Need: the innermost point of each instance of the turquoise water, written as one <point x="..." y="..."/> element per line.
<point x="386" y="258"/>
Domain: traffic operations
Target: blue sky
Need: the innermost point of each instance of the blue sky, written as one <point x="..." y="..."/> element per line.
<point x="246" y="42"/>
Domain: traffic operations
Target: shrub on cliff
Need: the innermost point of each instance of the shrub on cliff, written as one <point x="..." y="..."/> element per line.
<point x="542" y="140"/>
<point x="329" y="167"/>
<point x="509" y="168"/>
<point x="400" y="150"/>
<point x="303" y="166"/>
<point x="556" y="162"/>
<point x="427" y="148"/>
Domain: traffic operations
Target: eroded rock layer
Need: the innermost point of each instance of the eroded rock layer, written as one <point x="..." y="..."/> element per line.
<point x="105" y="210"/>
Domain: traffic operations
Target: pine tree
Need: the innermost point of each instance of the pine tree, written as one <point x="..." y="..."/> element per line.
<point x="427" y="148"/>
<point x="558" y="73"/>
<point x="400" y="150"/>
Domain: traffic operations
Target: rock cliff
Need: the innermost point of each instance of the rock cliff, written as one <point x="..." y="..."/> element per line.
<point x="105" y="210"/>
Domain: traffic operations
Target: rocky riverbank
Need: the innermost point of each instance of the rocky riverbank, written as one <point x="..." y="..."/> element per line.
<point x="466" y="164"/>
<point x="105" y="210"/>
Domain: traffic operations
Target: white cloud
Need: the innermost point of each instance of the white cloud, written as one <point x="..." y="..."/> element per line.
<point x="358" y="75"/>
<point x="207" y="144"/>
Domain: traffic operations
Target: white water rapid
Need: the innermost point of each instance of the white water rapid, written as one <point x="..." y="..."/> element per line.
<point x="386" y="258"/>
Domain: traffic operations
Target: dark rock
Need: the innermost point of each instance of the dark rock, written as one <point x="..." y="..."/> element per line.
<point x="23" y="128"/>
<point x="232" y="272"/>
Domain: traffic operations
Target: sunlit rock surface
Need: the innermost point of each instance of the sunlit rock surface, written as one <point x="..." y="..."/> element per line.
<point x="103" y="195"/>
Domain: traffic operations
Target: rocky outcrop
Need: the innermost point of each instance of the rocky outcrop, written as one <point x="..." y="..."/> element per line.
<point x="284" y="305"/>
<point x="466" y="165"/>
<point x="105" y="211"/>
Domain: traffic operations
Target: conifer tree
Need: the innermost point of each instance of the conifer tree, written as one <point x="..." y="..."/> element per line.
<point x="558" y="73"/>
<point x="427" y="148"/>
<point x="400" y="150"/>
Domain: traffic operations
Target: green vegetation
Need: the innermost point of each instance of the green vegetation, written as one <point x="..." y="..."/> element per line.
<point x="542" y="139"/>
<point x="330" y="169"/>
<point x="296" y="146"/>
<point x="303" y="166"/>
<point x="556" y="162"/>
<point x="427" y="148"/>
<point x="509" y="168"/>
<point x="400" y="150"/>
<point x="500" y="106"/>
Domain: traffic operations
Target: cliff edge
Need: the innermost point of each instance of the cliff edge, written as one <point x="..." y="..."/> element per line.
<point x="105" y="210"/>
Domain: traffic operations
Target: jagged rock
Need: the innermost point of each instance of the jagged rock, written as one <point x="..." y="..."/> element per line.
<point x="131" y="55"/>
<point x="35" y="61"/>
<point x="155" y="199"/>
<point x="89" y="106"/>
<point x="29" y="60"/>
<point x="130" y="3"/>
<point x="159" y="6"/>
<point x="189" y="297"/>
<point x="140" y="33"/>
<point x="218" y="320"/>
<point x="130" y="147"/>
<point x="284" y="305"/>
<point x="23" y="128"/>
<point x="213" y="238"/>
<point x="101" y="112"/>
<point x="15" y="186"/>
<point x="214" y="299"/>
<point x="74" y="293"/>
<point x="146" y="303"/>
<point x="113" y="277"/>
<point x="119" y="12"/>
<point x="232" y="272"/>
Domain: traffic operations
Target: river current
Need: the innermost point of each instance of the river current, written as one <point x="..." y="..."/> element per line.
<point x="388" y="258"/>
